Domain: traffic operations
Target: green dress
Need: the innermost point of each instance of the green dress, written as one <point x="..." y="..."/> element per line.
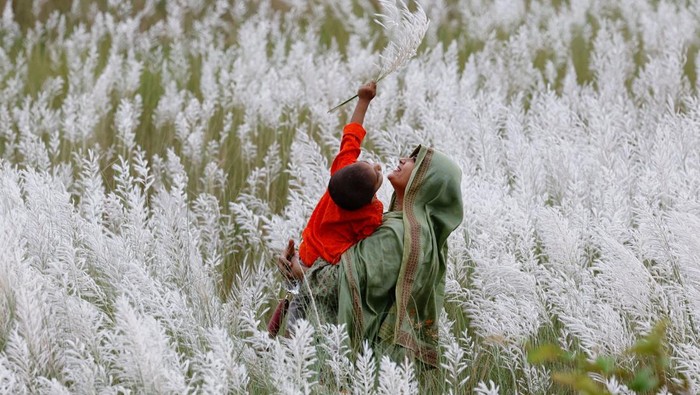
<point x="389" y="288"/>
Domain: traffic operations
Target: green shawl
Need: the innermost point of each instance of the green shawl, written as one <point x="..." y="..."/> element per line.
<point x="391" y="285"/>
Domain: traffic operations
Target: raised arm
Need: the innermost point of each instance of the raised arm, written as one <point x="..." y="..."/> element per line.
<point x="365" y="94"/>
<point x="354" y="132"/>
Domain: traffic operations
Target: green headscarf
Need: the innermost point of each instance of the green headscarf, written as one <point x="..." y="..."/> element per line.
<point x="397" y="302"/>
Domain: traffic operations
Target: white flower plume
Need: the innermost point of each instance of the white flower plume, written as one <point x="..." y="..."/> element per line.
<point x="405" y="30"/>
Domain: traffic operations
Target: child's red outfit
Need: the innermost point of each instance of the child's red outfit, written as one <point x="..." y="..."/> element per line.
<point x="331" y="230"/>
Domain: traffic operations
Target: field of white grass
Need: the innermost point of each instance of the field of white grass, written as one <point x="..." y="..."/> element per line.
<point x="156" y="154"/>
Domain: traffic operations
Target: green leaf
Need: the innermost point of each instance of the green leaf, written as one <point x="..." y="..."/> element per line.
<point x="605" y="364"/>
<point x="545" y="353"/>
<point x="580" y="382"/>
<point x="651" y="344"/>
<point x="647" y="347"/>
<point x="644" y="380"/>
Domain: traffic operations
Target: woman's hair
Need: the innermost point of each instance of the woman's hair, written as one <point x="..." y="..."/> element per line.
<point x="351" y="187"/>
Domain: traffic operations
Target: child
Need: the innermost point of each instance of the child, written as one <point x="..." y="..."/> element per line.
<point x="348" y="211"/>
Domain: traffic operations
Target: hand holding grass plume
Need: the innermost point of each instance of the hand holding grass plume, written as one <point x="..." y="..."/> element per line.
<point x="405" y="29"/>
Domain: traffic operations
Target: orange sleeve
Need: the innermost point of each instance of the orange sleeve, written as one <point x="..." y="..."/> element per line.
<point x="353" y="134"/>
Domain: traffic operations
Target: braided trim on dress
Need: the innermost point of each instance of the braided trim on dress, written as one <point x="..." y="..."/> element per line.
<point x="356" y="302"/>
<point x="415" y="231"/>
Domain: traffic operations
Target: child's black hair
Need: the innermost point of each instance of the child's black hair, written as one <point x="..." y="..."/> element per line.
<point x="351" y="187"/>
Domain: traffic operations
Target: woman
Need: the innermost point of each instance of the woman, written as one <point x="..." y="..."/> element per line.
<point x="389" y="288"/>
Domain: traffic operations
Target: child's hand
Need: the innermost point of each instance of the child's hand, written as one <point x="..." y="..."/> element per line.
<point x="366" y="94"/>
<point x="367" y="91"/>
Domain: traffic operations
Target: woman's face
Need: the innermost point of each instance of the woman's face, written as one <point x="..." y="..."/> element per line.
<point x="400" y="176"/>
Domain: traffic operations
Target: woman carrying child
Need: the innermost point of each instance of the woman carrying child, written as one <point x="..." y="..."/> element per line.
<point x="389" y="288"/>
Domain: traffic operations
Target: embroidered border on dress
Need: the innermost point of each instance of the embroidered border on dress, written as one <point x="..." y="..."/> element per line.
<point x="356" y="304"/>
<point x="412" y="261"/>
<point x="425" y="354"/>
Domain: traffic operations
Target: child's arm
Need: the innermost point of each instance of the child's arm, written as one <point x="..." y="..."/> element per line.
<point x="365" y="94"/>
<point x="353" y="133"/>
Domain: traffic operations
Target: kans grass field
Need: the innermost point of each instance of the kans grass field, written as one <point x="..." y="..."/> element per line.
<point x="155" y="155"/>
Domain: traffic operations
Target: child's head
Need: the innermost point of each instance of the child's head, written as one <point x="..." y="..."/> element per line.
<point x="354" y="186"/>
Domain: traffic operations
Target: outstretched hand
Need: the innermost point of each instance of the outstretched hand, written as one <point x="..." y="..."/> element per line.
<point x="366" y="93"/>
<point x="288" y="263"/>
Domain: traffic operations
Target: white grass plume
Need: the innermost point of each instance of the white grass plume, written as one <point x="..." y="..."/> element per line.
<point x="456" y="360"/>
<point x="365" y="376"/>
<point x="218" y="368"/>
<point x="127" y="121"/>
<point x="405" y="30"/>
<point x="395" y="378"/>
<point x="336" y="345"/>
<point x="487" y="389"/>
<point x="144" y="354"/>
<point x="9" y="383"/>
<point x="295" y="373"/>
